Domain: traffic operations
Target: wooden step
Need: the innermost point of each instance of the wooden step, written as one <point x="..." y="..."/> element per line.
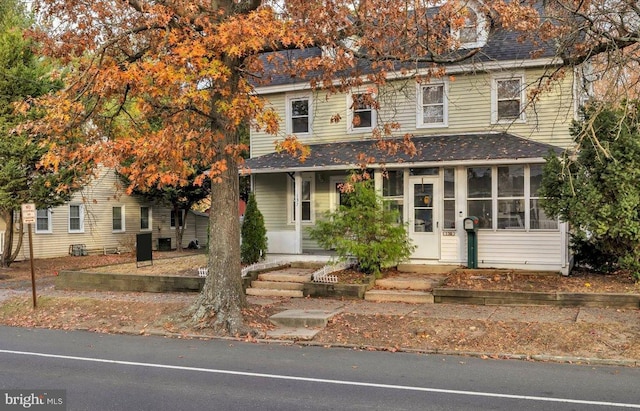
<point x="277" y="285"/>
<point x="410" y="282"/>
<point x="285" y="277"/>
<point x="266" y="292"/>
<point x="399" y="296"/>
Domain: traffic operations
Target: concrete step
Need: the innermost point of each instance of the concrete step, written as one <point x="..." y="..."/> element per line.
<point x="399" y="296"/>
<point x="266" y="292"/>
<point x="303" y="318"/>
<point x="289" y="333"/>
<point x="277" y="285"/>
<point x="417" y="282"/>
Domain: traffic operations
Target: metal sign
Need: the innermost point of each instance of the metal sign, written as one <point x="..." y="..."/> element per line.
<point x="28" y="213"/>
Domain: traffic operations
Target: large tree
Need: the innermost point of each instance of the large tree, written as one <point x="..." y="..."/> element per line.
<point x="194" y="64"/>
<point x="23" y="176"/>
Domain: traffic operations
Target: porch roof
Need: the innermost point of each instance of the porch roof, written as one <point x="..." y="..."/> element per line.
<point x="431" y="150"/>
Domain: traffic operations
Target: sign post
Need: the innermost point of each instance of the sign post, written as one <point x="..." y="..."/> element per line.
<point x="29" y="218"/>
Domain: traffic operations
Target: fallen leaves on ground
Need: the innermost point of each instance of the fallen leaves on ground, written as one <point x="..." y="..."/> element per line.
<point x="111" y="313"/>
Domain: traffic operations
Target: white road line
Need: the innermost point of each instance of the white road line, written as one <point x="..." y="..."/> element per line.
<point x="324" y="381"/>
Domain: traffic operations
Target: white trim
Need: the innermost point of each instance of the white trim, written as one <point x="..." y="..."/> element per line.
<point x="482" y="31"/>
<point x="333" y="195"/>
<point x="49" y="229"/>
<point x="503" y="65"/>
<point x="289" y="125"/>
<point x="495" y="78"/>
<point x="494" y="199"/>
<point x="292" y="197"/>
<point x="122" y="219"/>
<point x="420" y="104"/>
<point x="80" y="217"/>
<point x="351" y="129"/>
<point x="423" y="164"/>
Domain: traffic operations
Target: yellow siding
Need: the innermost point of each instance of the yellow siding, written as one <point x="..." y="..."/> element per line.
<point x="98" y="198"/>
<point x="469" y="112"/>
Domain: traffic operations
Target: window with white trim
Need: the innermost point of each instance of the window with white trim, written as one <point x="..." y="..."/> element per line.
<point x="507" y="99"/>
<point x="306" y="200"/>
<point x="117" y="218"/>
<point x="432" y="105"/>
<point x="479" y="193"/>
<point x="76" y="218"/>
<point x="511" y="197"/>
<point x="145" y="218"/>
<point x="499" y="196"/>
<point x="180" y="218"/>
<point x="474" y="31"/>
<point x="539" y="220"/>
<point x="393" y="192"/>
<point x="43" y="221"/>
<point x="299" y="114"/>
<point x="361" y="112"/>
<point x="449" y="198"/>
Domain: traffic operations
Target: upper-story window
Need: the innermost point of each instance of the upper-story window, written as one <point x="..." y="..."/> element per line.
<point x="362" y="113"/>
<point x="299" y="114"/>
<point x="432" y="105"/>
<point x="473" y="33"/>
<point x="507" y="99"/>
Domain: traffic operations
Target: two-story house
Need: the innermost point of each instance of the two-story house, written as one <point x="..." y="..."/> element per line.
<point x="480" y="147"/>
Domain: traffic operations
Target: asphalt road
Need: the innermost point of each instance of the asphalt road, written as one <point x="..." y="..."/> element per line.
<point x="115" y="372"/>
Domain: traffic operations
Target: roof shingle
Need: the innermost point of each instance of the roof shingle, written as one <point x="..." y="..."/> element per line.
<point x="430" y="149"/>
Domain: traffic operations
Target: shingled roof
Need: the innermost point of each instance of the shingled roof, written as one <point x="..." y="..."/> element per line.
<point x="502" y="45"/>
<point x="431" y="149"/>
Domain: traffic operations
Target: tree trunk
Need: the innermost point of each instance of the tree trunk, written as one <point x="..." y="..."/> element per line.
<point x="7" y="256"/>
<point x="222" y="298"/>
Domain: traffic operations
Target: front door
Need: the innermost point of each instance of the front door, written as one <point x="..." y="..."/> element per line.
<point x="424" y="224"/>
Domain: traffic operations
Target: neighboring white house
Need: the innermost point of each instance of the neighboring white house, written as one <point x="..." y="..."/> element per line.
<point x="480" y="153"/>
<point x="102" y="218"/>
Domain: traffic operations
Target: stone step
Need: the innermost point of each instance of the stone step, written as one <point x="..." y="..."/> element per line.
<point x="277" y="285"/>
<point x="303" y="318"/>
<point x="410" y="282"/>
<point x="399" y="296"/>
<point x="266" y="292"/>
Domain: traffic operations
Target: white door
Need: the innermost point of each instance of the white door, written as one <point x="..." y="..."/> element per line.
<point x="424" y="224"/>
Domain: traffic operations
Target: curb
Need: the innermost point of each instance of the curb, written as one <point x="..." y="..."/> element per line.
<point x="474" y="354"/>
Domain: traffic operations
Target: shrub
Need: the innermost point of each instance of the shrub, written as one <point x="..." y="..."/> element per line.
<point x="363" y="228"/>
<point x="597" y="190"/>
<point x="254" y="233"/>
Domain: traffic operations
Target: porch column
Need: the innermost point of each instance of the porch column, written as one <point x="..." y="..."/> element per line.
<point x="298" y="212"/>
